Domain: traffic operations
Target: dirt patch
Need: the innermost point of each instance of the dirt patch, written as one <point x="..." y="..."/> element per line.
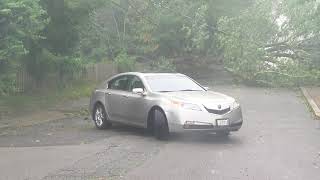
<point x="66" y="131"/>
<point x="75" y="108"/>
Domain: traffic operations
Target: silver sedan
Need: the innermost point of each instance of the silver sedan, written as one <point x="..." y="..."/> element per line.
<point x="163" y="103"/>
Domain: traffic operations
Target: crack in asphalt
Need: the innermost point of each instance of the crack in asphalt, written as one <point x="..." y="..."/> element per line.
<point x="114" y="161"/>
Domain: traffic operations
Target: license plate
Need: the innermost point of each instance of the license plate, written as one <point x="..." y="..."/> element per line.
<point x="223" y="122"/>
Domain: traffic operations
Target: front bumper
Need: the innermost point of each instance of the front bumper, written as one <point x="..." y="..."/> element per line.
<point x="203" y="121"/>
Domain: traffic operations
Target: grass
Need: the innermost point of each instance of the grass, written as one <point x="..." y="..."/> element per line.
<point x="33" y="102"/>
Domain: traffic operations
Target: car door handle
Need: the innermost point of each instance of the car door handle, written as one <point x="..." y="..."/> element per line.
<point x="108" y="93"/>
<point x="125" y="96"/>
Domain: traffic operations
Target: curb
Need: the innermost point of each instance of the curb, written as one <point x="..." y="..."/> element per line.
<point x="311" y="102"/>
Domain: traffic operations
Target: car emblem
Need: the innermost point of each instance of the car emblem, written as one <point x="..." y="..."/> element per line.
<point x="219" y="106"/>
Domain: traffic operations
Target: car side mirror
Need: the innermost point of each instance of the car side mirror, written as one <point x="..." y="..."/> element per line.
<point x="139" y="91"/>
<point x="206" y="88"/>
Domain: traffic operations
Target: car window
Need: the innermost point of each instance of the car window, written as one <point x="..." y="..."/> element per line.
<point x="119" y="83"/>
<point x="135" y="83"/>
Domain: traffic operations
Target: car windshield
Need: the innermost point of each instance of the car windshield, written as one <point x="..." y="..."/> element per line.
<point x="171" y="83"/>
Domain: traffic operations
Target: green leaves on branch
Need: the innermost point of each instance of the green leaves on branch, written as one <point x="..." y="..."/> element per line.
<point x="273" y="44"/>
<point x="163" y="65"/>
<point x="124" y="62"/>
<point x="160" y="28"/>
<point x="21" y="24"/>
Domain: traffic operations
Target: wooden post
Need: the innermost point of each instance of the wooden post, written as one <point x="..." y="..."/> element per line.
<point x="96" y="71"/>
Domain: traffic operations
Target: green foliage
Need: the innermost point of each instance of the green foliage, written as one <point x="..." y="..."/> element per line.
<point x="40" y="64"/>
<point x="44" y="63"/>
<point x="243" y="39"/>
<point x="183" y="31"/>
<point x="163" y="30"/>
<point x="66" y="21"/>
<point x="61" y="33"/>
<point x="124" y="62"/>
<point x="7" y="84"/>
<point x="273" y="46"/>
<point x="269" y="42"/>
<point x="21" y="23"/>
<point x="163" y="65"/>
<point x="170" y="36"/>
<point x="99" y="35"/>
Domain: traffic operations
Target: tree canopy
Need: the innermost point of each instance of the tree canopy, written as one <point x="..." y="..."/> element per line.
<point x="261" y="41"/>
<point x="274" y="42"/>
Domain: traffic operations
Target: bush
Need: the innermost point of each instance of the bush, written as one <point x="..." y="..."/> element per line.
<point x="163" y="65"/>
<point x="124" y="63"/>
<point x="7" y="84"/>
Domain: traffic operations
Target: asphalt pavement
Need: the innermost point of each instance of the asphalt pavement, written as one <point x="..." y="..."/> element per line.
<point x="278" y="140"/>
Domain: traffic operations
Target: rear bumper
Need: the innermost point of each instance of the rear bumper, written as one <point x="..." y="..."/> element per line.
<point x="204" y="121"/>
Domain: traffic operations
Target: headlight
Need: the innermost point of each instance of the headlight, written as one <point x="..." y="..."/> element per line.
<point x="188" y="106"/>
<point x="235" y="105"/>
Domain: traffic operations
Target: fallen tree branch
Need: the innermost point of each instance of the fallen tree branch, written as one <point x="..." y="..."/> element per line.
<point x="287" y="55"/>
<point x="280" y="73"/>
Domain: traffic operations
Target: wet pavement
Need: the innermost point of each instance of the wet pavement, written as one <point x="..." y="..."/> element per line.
<point x="278" y="140"/>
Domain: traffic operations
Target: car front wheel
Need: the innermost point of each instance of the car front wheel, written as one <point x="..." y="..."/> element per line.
<point x="160" y="125"/>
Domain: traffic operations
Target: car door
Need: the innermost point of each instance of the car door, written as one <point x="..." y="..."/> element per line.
<point x="116" y="98"/>
<point x="136" y="103"/>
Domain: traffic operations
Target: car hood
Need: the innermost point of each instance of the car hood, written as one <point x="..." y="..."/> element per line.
<point x="201" y="97"/>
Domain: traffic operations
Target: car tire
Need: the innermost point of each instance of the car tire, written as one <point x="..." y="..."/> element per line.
<point x="100" y="117"/>
<point x="223" y="133"/>
<point x="160" y="125"/>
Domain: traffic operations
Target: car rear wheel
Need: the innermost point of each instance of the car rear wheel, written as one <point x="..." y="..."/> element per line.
<point x="100" y="117"/>
<point x="160" y="125"/>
